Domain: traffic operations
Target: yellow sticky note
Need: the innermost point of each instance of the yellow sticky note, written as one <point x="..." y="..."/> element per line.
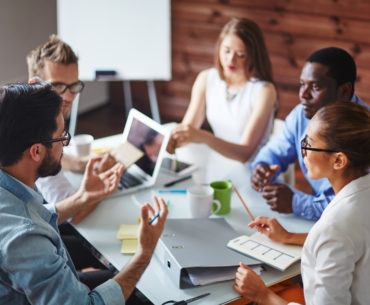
<point x="101" y="149"/>
<point x="128" y="231"/>
<point x="129" y="246"/>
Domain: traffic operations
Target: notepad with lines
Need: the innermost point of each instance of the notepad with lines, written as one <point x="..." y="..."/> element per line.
<point x="260" y="247"/>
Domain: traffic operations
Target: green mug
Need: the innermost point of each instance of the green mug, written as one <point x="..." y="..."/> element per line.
<point x="222" y="193"/>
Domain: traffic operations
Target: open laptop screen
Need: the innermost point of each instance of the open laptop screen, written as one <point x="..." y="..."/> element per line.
<point x="148" y="141"/>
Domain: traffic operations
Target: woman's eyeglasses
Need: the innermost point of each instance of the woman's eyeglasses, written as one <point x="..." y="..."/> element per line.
<point x="305" y="146"/>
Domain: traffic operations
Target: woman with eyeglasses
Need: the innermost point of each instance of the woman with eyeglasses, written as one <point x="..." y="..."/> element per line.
<point x="336" y="253"/>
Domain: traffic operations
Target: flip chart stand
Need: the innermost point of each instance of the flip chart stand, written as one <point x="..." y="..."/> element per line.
<point x="152" y="99"/>
<point x="128" y="104"/>
<point x="73" y="115"/>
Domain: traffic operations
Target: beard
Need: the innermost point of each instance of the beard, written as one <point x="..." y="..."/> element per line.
<point x="49" y="166"/>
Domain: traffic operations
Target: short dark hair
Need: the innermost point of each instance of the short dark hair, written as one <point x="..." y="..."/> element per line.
<point x="28" y="114"/>
<point x="341" y="65"/>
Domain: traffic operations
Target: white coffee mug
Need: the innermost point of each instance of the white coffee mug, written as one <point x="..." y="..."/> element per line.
<point x="81" y="144"/>
<point x="200" y="200"/>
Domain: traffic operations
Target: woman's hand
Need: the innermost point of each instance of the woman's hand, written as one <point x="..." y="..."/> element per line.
<point x="183" y="134"/>
<point x="271" y="228"/>
<point x="248" y="284"/>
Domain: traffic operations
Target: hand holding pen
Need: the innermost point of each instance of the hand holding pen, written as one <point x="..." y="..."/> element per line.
<point x="152" y="224"/>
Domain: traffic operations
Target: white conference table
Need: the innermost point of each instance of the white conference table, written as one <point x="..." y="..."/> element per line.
<point x="100" y="227"/>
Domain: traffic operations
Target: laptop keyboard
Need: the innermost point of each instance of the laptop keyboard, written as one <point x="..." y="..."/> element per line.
<point x="128" y="180"/>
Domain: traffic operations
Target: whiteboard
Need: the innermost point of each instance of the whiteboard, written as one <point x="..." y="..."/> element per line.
<point x="131" y="37"/>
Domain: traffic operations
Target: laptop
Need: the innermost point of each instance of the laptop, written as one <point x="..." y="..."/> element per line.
<point x="151" y="139"/>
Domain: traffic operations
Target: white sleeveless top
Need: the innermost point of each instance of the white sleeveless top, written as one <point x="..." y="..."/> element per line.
<point x="228" y="118"/>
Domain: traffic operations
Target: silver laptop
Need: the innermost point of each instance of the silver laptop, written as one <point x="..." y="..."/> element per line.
<point x="149" y="137"/>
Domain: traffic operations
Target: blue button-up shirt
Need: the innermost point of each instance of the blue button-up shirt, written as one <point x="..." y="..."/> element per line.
<point x="284" y="149"/>
<point x="35" y="267"/>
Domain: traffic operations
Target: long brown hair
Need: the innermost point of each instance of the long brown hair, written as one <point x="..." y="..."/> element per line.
<point x="346" y="128"/>
<point x="258" y="63"/>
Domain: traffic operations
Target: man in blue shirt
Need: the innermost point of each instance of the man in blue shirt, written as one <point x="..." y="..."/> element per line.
<point x="327" y="77"/>
<point x="55" y="62"/>
<point x="35" y="267"/>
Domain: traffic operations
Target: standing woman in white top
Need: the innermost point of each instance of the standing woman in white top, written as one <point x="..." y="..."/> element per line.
<point x="336" y="253"/>
<point x="238" y="97"/>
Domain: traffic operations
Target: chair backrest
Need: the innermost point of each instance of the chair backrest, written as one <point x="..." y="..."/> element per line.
<point x="277" y="127"/>
<point x="288" y="176"/>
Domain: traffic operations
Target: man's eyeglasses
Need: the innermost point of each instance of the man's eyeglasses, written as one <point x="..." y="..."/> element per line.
<point x="73" y="88"/>
<point x="305" y="146"/>
<point x="65" y="139"/>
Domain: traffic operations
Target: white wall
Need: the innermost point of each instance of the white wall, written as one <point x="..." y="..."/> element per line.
<point x="25" y="24"/>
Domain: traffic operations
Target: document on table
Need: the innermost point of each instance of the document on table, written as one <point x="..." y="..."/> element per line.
<point x="127" y="154"/>
<point x="260" y="247"/>
<point x="204" y="276"/>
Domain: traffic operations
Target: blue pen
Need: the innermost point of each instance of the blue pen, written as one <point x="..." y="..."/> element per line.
<point x="155" y="217"/>
<point x="172" y="191"/>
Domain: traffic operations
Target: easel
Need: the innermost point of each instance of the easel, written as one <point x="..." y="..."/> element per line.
<point x="152" y="99"/>
<point x="128" y="104"/>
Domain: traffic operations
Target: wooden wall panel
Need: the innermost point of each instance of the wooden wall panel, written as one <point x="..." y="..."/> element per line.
<point x="293" y="29"/>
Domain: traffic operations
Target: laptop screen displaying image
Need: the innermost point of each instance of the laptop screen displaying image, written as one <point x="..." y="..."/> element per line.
<point x="149" y="141"/>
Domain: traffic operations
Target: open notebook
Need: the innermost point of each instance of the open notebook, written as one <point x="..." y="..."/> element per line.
<point x="258" y="246"/>
<point x="143" y="144"/>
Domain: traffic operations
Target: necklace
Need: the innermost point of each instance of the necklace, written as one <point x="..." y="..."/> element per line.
<point x="229" y="94"/>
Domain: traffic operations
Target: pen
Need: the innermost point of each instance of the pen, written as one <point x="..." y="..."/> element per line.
<point x="154" y="218"/>
<point x="176" y="181"/>
<point x="172" y="191"/>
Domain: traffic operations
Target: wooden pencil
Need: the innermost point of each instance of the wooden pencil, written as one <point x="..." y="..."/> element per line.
<point x="241" y="199"/>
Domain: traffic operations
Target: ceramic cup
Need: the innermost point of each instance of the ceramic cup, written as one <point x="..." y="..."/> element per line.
<point x="200" y="200"/>
<point x="222" y="193"/>
<point x="81" y="144"/>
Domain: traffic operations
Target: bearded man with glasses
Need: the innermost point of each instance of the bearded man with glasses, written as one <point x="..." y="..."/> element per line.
<point x="35" y="266"/>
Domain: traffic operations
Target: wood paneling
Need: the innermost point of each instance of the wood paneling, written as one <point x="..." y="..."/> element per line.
<point x="292" y="30"/>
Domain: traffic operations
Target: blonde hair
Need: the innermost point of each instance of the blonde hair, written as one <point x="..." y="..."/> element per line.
<point x="258" y="63"/>
<point x="55" y="50"/>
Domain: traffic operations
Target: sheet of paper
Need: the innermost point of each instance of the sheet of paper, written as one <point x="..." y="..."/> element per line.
<point x="205" y="276"/>
<point x="126" y="153"/>
<point x="262" y="248"/>
<point x="128" y="231"/>
<point x="129" y="246"/>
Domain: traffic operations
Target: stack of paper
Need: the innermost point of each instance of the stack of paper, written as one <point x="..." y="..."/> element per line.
<point x="128" y="233"/>
<point x="204" y="276"/>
